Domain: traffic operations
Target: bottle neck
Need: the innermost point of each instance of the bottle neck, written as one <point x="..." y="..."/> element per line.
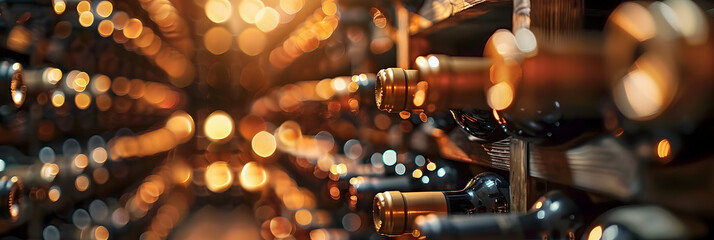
<point x="453" y="82"/>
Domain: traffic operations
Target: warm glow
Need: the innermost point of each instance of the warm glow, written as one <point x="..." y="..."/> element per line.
<point x="81" y="183"/>
<point x="101" y="84"/>
<point x="83" y="6"/>
<point x="49" y="171"/>
<point x="219" y="177"/>
<point x="145" y="39"/>
<point x="218" y="126"/>
<point x="281" y="227"/>
<point x="431" y="166"/>
<point x="263" y="144"/>
<point x="329" y="7"/>
<point x="267" y="19"/>
<point x="104" y="8"/>
<point x="54" y="75"/>
<point x="252" y="176"/>
<point x="104" y="102"/>
<point x="80" y="161"/>
<point x="54" y="193"/>
<point x="664" y="148"/>
<point x="595" y="234"/>
<point x="248" y="9"/>
<point x="417" y="173"/>
<point x="640" y="95"/>
<point x="291" y="6"/>
<point x="82" y="100"/>
<point x="80" y="81"/>
<point x="57" y="98"/>
<point x="181" y="172"/>
<point x="217" y="40"/>
<point x="133" y="28"/>
<point x="252" y="41"/>
<point x="86" y="19"/>
<point x="120" y="20"/>
<point x="303" y="217"/>
<point x="218" y="11"/>
<point x="60" y="6"/>
<point x="634" y="19"/>
<point x="101" y="233"/>
<point x="500" y="96"/>
<point x="105" y="28"/>
<point x="181" y="125"/>
<point x="99" y="155"/>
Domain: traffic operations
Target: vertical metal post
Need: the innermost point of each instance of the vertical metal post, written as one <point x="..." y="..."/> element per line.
<point x="519" y="175"/>
<point x="402" y="35"/>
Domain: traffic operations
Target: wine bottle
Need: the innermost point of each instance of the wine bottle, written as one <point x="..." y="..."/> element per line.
<point x="553" y="216"/>
<point x="11" y="197"/>
<point x="645" y="222"/>
<point x="394" y="212"/>
<point x="430" y="177"/>
<point x="443" y="83"/>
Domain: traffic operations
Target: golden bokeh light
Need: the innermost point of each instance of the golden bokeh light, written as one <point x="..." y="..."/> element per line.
<point x="664" y="149"/>
<point x="105" y="8"/>
<point x="105" y="28"/>
<point x="83" y="6"/>
<point x="86" y="19"/>
<point x="53" y="75"/>
<point x="267" y="19"/>
<point x="99" y="155"/>
<point x="329" y="7"/>
<point x="248" y="9"/>
<point x="219" y="177"/>
<point x="303" y="217"/>
<point x="82" y="100"/>
<point x="145" y="39"/>
<point x="133" y="28"/>
<point x="263" y="144"/>
<point x="252" y="41"/>
<point x="57" y="98"/>
<point x="54" y="193"/>
<point x="595" y="233"/>
<point x="181" y="125"/>
<point x="252" y="176"/>
<point x="218" y="126"/>
<point x="500" y="96"/>
<point x="120" y="20"/>
<point x="181" y="172"/>
<point x="59" y="6"/>
<point x="291" y="6"/>
<point x="281" y="227"/>
<point x="81" y="183"/>
<point x="80" y="161"/>
<point x="79" y="81"/>
<point x="101" y="84"/>
<point x="218" y="11"/>
<point x="217" y="40"/>
<point x="101" y="233"/>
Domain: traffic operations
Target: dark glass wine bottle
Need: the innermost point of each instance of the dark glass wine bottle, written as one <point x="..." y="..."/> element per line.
<point x="395" y="211"/>
<point x="553" y="216"/>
